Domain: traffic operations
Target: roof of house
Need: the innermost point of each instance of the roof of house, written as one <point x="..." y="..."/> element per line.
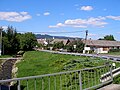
<point x="59" y="40"/>
<point x="103" y="43"/>
<point x="41" y="41"/>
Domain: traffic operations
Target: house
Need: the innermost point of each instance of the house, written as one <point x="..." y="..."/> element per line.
<point x="42" y="41"/>
<point x="101" y="46"/>
<point x="59" y="40"/>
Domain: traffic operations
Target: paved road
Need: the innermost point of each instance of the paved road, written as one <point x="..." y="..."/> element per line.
<point x="110" y="57"/>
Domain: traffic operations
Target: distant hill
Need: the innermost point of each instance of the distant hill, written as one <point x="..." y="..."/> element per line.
<point x="39" y="36"/>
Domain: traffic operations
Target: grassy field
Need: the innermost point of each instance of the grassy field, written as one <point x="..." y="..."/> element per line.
<point x="38" y="63"/>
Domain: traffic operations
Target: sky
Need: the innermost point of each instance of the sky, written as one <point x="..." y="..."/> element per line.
<point x="63" y="17"/>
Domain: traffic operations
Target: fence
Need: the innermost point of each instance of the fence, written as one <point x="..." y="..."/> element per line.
<point x="84" y="79"/>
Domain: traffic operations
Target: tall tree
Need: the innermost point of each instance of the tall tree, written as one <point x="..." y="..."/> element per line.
<point x="10" y="41"/>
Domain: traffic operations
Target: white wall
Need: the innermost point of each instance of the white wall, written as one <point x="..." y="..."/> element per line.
<point x="100" y="50"/>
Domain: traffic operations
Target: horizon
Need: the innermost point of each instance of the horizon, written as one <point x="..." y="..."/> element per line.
<point x="100" y="18"/>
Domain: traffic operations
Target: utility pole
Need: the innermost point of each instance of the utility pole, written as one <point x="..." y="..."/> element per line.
<point x="1" y="40"/>
<point x="86" y="37"/>
<point x="86" y="34"/>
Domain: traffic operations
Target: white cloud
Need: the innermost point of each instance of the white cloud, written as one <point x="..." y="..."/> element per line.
<point x="82" y="23"/>
<point x="80" y="26"/>
<point x="113" y="17"/>
<point x="38" y="14"/>
<point x="75" y="22"/>
<point x="24" y="13"/>
<point x="96" y="21"/>
<point x="56" y="26"/>
<point x="14" y="16"/>
<point x="87" y="8"/>
<point x="46" y="13"/>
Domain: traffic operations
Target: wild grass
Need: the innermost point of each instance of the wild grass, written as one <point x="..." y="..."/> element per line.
<point x="39" y="63"/>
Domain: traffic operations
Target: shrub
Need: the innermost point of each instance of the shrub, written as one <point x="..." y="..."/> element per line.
<point x="114" y="50"/>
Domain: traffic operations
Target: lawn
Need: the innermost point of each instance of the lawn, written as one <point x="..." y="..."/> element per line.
<point x="38" y="63"/>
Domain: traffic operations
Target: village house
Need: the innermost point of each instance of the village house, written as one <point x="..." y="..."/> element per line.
<point x="42" y="41"/>
<point x="59" y="40"/>
<point x="101" y="46"/>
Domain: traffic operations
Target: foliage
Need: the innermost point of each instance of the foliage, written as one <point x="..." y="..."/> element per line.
<point x="114" y="50"/>
<point x="10" y="41"/>
<point x="116" y="79"/>
<point x="27" y="41"/>
<point x="58" y="45"/>
<point x="108" y="37"/>
<point x="79" y="46"/>
<point x="39" y="45"/>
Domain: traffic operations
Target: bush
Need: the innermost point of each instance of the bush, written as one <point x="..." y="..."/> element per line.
<point x="116" y="80"/>
<point x="114" y="50"/>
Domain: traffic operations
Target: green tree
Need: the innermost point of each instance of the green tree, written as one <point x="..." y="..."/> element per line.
<point x="27" y="41"/>
<point x="79" y="46"/>
<point x="108" y="37"/>
<point x="10" y="41"/>
<point x="58" y="45"/>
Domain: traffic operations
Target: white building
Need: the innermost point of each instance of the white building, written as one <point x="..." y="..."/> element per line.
<point x="102" y="46"/>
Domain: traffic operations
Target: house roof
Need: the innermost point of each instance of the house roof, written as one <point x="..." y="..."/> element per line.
<point x="59" y="40"/>
<point x="41" y="41"/>
<point x="103" y="43"/>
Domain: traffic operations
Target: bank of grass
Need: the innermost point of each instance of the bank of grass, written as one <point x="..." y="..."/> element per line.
<point x="114" y="53"/>
<point x="5" y="56"/>
<point x="38" y="63"/>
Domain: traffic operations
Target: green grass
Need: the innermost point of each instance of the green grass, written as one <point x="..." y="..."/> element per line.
<point x="38" y="63"/>
<point x="5" y="56"/>
<point x="114" y="53"/>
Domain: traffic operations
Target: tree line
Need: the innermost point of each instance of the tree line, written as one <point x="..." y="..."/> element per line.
<point x="12" y="42"/>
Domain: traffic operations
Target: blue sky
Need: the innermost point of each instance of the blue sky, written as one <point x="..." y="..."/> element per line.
<point x="99" y="17"/>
